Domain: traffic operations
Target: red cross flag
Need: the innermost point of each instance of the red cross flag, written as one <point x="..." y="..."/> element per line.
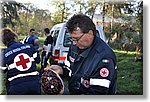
<point x="22" y="62"/>
<point x="104" y="72"/>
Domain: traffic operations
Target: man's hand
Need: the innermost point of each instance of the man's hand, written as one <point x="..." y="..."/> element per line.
<point x="56" y="68"/>
<point x="40" y="49"/>
<point x="37" y="42"/>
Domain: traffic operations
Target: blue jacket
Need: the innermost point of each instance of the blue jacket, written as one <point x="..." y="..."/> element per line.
<point x="31" y="39"/>
<point x="20" y="61"/>
<point x="93" y="70"/>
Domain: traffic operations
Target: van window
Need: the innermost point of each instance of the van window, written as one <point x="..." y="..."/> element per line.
<point x="67" y="42"/>
<point x="55" y="35"/>
<point x="51" y="32"/>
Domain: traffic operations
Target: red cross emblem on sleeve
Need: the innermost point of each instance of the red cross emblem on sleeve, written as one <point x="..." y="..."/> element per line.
<point x="104" y="72"/>
<point x="86" y="83"/>
<point x="22" y="62"/>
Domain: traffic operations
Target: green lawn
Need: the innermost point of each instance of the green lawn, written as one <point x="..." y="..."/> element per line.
<point x="129" y="74"/>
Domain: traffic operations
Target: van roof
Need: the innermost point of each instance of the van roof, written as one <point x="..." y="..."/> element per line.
<point x="58" y="26"/>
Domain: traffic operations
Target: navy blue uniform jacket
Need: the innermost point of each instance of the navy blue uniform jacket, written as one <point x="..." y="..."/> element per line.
<point x="20" y="62"/>
<point x="31" y="39"/>
<point x="93" y="70"/>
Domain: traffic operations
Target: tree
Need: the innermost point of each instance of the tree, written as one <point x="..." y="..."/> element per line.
<point x="10" y="12"/>
<point x="62" y="11"/>
<point x="140" y="22"/>
<point x="92" y="6"/>
<point x="78" y="6"/>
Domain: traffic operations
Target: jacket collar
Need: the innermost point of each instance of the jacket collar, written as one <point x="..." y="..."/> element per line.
<point x="11" y="43"/>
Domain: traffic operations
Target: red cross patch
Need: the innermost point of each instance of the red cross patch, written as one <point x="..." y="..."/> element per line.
<point x="104" y="72"/>
<point x="86" y="83"/>
<point x="22" y="62"/>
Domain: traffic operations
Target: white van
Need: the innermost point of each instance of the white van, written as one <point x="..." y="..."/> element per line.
<point x="61" y="42"/>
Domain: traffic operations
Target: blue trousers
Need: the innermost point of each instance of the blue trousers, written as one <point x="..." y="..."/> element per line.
<point x="25" y="88"/>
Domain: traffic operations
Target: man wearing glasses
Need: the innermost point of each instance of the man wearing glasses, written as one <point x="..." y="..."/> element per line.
<point x="93" y="63"/>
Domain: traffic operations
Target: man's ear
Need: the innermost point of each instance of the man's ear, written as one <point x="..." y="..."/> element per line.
<point x="91" y="32"/>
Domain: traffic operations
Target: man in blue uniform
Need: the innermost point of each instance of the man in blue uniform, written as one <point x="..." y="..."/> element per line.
<point x="19" y="61"/>
<point x="93" y="63"/>
<point x="47" y="49"/>
<point x="32" y="39"/>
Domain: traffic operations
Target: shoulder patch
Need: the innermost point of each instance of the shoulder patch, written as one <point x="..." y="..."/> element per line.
<point x="104" y="72"/>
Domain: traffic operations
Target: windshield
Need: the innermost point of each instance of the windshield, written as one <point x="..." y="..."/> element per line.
<point x="55" y="35"/>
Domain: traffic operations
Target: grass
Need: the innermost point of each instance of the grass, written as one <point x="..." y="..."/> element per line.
<point x="129" y="74"/>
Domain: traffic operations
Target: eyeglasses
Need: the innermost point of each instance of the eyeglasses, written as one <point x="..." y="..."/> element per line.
<point x="76" y="39"/>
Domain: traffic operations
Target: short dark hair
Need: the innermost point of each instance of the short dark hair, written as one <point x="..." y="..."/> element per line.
<point x="81" y="21"/>
<point x="8" y="36"/>
<point x="32" y="30"/>
<point x="47" y="30"/>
